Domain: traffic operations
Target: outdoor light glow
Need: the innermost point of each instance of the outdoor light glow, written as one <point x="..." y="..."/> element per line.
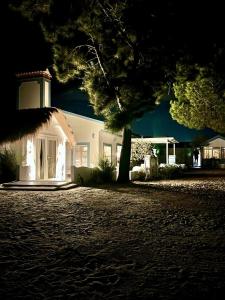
<point x="189" y="153"/>
<point x="61" y="158"/>
<point x="30" y="159"/>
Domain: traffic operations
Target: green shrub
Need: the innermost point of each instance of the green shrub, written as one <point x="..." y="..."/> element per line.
<point x="104" y="173"/>
<point x="170" y="172"/>
<point x="8" y="166"/>
<point x="138" y="175"/>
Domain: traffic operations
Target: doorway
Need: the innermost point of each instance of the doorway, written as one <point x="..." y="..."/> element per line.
<point x="46" y="158"/>
<point x="196" y="158"/>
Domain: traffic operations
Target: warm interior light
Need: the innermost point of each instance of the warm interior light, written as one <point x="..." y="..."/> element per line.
<point x="31" y="159"/>
<point x="61" y="159"/>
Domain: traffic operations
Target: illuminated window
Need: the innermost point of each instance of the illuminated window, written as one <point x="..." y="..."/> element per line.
<point x="216" y="153"/>
<point x="207" y="152"/>
<point x="82" y="155"/>
<point x="24" y="152"/>
<point x="118" y="153"/>
<point x="107" y="152"/>
<point x="223" y="153"/>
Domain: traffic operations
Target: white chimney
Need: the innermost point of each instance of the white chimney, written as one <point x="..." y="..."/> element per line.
<point x="34" y="90"/>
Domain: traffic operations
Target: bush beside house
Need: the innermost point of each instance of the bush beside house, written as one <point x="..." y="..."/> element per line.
<point x="170" y="171"/>
<point x="104" y="173"/>
<point x="8" y="166"/>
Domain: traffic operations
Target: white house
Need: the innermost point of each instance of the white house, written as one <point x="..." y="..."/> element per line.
<point x="214" y="148"/>
<point x="48" y="141"/>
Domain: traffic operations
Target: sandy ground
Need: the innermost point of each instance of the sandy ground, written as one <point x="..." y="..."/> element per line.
<point x="160" y="240"/>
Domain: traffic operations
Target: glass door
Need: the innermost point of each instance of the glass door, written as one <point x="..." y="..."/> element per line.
<point x="46" y="158"/>
<point x="41" y="155"/>
<point x="51" y="159"/>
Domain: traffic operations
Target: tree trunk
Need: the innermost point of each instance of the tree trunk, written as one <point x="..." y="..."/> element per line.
<point x="124" y="167"/>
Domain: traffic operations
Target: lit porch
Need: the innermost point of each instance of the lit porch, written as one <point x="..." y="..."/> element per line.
<point x="169" y="159"/>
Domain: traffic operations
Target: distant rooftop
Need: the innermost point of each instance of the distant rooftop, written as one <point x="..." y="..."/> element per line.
<point x="158" y="140"/>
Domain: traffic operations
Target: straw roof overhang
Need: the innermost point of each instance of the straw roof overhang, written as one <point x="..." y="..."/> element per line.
<point x="61" y="119"/>
<point x="20" y="123"/>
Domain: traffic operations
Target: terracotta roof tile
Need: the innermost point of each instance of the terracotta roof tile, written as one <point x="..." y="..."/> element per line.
<point x="45" y="74"/>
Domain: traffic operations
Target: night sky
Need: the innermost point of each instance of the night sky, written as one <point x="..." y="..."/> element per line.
<point x="153" y="124"/>
<point x="23" y="49"/>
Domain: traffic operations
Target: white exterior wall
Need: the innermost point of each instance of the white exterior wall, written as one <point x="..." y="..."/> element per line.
<point x="86" y="130"/>
<point x="108" y="138"/>
<point x="34" y="94"/>
<point x="46" y="100"/>
<point x="29" y="162"/>
<point x="29" y="95"/>
<point x="54" y="131"/>
<point x="90" y="131"/>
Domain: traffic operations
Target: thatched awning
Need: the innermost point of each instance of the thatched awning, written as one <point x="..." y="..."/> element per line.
<point x="14" y="125"/>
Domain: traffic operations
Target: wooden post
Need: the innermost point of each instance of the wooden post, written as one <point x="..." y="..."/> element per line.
<point x="167" y="155"/>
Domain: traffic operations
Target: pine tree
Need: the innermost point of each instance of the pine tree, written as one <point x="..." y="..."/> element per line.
<point x="199" y="98"/>
<point x="125" y="52"/>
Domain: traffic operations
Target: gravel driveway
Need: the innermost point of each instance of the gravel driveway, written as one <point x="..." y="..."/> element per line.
<point x="158" y="240"/>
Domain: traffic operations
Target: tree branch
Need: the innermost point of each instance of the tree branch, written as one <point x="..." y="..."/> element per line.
<point x="121" y="29"/>
<point x="98" y="56"/>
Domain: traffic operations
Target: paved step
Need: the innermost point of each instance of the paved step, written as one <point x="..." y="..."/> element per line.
<point x="28" y="186"/>
<point x="35" y="183"/>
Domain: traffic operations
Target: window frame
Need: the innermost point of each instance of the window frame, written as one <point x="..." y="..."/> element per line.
<point x="118" y="158"/>
<point x="87" y="144"/>
<point x="218" y="149"/>
<point x="209" y="150"/>
<point x="107" y="145"/>
<point x="222" y="152"/>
